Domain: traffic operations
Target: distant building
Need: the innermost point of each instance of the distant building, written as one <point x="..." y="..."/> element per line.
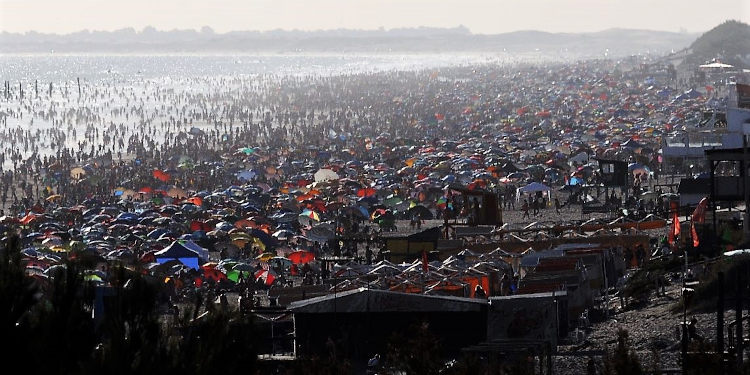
<point x="722" y="130"/>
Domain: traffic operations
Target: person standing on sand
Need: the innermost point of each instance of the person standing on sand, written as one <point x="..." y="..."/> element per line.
<point x="525" y="208"/>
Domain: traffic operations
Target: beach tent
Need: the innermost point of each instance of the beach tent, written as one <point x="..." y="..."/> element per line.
<point x="178" y="251"/>
<point x="202" y="252"/>
<point x="325" y="175"/>
<point x="533" y="187"/>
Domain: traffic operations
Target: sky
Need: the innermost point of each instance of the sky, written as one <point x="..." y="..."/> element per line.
<point x="479" y="16"/>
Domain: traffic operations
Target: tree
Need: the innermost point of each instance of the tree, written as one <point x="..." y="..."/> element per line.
<point x="419" y="352"/>
<point x="623" y="361"/>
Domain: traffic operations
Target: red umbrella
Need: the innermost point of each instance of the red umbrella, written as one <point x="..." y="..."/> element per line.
<point x="210" y="272"/>
<point x="199" y="225"/>
<point x="161" y="175"/>
<point x="366" y="192"/>
<point x="198" y="201"/>
<point x="148" y="257"/>
<point x="301" y="257"/>
<point x="267" y="276"/>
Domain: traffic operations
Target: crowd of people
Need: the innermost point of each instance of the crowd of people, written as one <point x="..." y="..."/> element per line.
<point x="255" y="168"/>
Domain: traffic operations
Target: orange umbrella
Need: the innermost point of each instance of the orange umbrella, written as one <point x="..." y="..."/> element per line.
<point x="161" y="175"/>
<point x="198" y="201"/>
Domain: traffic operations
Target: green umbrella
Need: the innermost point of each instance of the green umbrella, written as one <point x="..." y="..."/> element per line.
<point x="392" y="201"/>
<point x="234" y="275"/>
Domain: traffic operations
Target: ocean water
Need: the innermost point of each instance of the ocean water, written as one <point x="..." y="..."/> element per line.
<point x="136" y="91"/>
<point x="25" y="69"/>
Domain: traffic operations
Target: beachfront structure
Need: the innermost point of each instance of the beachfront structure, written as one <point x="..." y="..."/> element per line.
<point x="365" y="319"/>
<point x="721" y="130"/>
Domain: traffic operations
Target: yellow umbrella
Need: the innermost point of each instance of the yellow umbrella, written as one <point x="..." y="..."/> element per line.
<point x="77" y="172"/>
<point x="54" y="197"/>
<point x="265" y="257"/>
<point x="240" y="242"/>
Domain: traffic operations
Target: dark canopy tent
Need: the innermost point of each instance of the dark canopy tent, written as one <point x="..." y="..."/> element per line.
<point x="179" y="252"/>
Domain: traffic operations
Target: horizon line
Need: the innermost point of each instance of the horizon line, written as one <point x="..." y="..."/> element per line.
<point x="200" y="30"/>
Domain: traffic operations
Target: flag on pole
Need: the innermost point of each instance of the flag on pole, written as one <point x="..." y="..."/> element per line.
<point x="675" y="230"/>
<point x="699" y="215"/>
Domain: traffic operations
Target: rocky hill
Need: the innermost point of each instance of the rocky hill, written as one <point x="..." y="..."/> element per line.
<point x="728" y="42"/>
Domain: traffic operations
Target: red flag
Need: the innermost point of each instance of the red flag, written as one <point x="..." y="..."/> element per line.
<point x="699" y="215"/>
<point x="425" y="267"/>
<point x="675" y="230"/>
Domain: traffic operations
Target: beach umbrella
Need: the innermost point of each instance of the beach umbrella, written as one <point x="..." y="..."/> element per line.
<point x="198" y="201"/>
<point x="176" y="192"/>
<point x="265" y="257"/>
<point x="245" y="175"/>
<point x="161" y="175"/>
<point x="77" y="173"/>
<point x="308" y="214"/>
<point x="283" y="234"/>
<point x="246" y="150"/>
<point x="301" y="257"/>
<point x="321" y="233"/>
<point x="212" y="273"/>
<point x="323" y="175"/>
<point x="638" y="168"/>
<point x="366" y="192"/>
<point x="268" y="276"/>
<point x="235" y="274"/>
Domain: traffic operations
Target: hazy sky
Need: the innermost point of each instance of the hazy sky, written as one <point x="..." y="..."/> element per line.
<point x="480" y="16"/>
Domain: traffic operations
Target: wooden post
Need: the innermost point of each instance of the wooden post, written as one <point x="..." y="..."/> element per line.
<point x="739" y="294"/>
<point x="720" y="318"/>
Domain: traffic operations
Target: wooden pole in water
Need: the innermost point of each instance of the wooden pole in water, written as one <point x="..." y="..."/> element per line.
<point x="20" y="92"/>
<point x="78" y="79"/>
<point x="36" y="88"/>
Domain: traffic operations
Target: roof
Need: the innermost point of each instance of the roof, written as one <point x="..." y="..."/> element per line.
<point x="363" y="300"/>
<point x="694" y="186"/>
<point x="721" y="154"/>
<point x="556" y="264"/>
<point x="499" y="299"/>
<point x="428" y="235"/>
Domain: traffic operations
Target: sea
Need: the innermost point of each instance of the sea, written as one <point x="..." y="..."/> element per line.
<point x="113" y="86"/>
<point x="44" y="68"/>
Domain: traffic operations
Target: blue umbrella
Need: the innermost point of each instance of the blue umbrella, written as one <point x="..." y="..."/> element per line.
<point x="225" y="226"/>
<point x="158" y="232"/>
<point x="267" y="240"/>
